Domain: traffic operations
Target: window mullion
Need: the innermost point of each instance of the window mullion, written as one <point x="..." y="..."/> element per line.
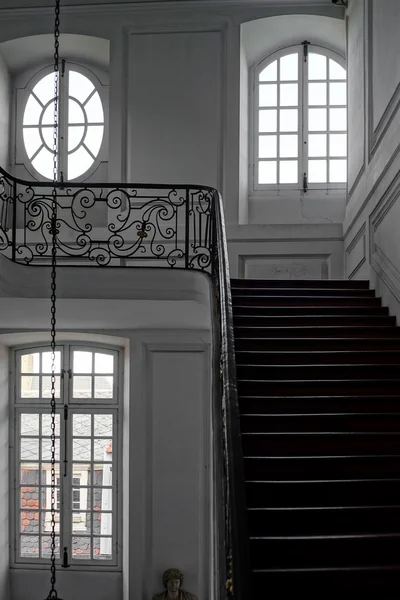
<point x="304" y="119"/>
<point x="63" y="123"/>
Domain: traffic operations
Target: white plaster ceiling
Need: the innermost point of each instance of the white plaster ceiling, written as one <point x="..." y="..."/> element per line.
<point x="20" y="53"/>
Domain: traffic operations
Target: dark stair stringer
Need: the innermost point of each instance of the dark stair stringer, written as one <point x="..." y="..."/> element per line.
<point x="318" y="367"/>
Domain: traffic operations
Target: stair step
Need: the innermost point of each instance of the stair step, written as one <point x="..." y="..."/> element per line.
<point x="242" y="299"/>
<point x="338" y="520"/>
<point x="314" y="494"/>
<point x="300" y="283"/>
<point x="319" y="551"/>
<point x="336" y="387"/>
<point x="317" y="372"/>
<point x="319" y="404"/>
<point x="347" y="422"/>
<point x="374" y="331"/>
<point x="273" y="311"/>
<point x="371" y="581"/>
<point x="313" y="321"/>
<point x="323" y="443"/>
<point x="316" y="344"/>
<point x="338" y="357"/>
<point x="303" y="292"/>
<point x="294" y="468"/>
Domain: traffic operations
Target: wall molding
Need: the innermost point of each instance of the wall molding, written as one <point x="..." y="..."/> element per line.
<point x="375" y="136"/>
<point x="379" y="260"/>
<point x="359" y="235"/>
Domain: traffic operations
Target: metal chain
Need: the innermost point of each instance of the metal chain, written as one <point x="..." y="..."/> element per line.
<point x="53" y="592"/>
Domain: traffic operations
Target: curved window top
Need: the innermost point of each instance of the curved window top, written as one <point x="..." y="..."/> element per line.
<point x="300" y="120"/>
<point x="80" y="124"/>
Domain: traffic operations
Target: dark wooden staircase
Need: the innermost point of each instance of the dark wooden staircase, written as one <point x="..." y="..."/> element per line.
<point x="318" y="367"/>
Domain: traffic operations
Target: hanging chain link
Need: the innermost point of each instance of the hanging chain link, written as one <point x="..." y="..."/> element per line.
<point x="53" y="592"/>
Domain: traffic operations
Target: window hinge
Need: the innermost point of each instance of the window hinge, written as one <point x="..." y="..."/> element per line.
<point x="305" y="45"/>
<point x="63" y="67"/>
<point x="305" y="183"/>
<point x="65" y="564"/>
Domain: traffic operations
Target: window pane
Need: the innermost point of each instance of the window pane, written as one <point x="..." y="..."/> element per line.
<point x="29" y="424"/>
<point x="103" y="363"/>
<point x="270" y="73"/>
<point x="46" y="424"/>
<point x="103" y="450"/>
<point x="289" y="95"/>
<point x="75" y="137"/>
<point x="46" y="547"/>
<point x="94" y="138"/>
<point x="81" y="548"/>
<point x="337" y="119"/>
<point x="44" y="89"/>
<point x="337" y="93"/>
<point x="29" y="522"/>
<point x="94" y="109"/>
<point x="317" y="171"/>
<point x="267" y="121"/>
<point x="30" y="363"/>
<point x="335" y="70"/>
<point x="103" y="499"/>
<point x="317" y="144"/>
<point x="75" y="113"/>
<point x="338" y="144"/>
<point x="78" y="163"/>
<point x="289" y="67"/>
<point x="29" y="546"/>
<point x="268" y="95"/>
<point x="79" y="86"/>
<point x="288" y="120"/>
<point x="48" y="115"/>
<point x="267" y="172"/>
<point x="29" y="449"/>
<point x="30" y="386"/>
<point x="46" y="449"/>
<point x="46" y="387"/>
<point x="267" y="146"/>
<point x="81" y="424"/>
<point x="29" y="473"/>
<point x="288" y="146"/>
<point x="47" y="133"/>
<point x="288" y="171"/>
<point x="102" y="548"/>
<point x="337" y="171"/>
<point x="103" y="386"/>
<point x="317" y="119"/>
<point x="102" y="474"/>
<point x="32" y="141"/>
<point x="44" y="163"/>
<point x="82" y="362"/>
<point x="317" y="93"/>
<point x="103" y="425"/>
<point x="81" y="522"/>
<point x="316" y="66"/>
<point x="46" y="362"/>
<point x="102" y="521"/>
<point x="32" y="112"/>
<point x="45" y="520"/>
<point x="81" y="449"/>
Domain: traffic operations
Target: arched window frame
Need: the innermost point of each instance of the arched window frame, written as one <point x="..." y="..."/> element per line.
<point x="24" y="87"/>
<point x="290" y="189"/>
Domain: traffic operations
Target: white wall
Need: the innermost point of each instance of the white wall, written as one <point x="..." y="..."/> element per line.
<point x="5" y="97"/>
<point x="373" y="215"/>
<point x="4" y="487"/>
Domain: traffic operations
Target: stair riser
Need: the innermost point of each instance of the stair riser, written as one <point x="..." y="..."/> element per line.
<point x="302" y="292"/>
<point x="316" y="345"/>
<point x="317" y="388"/>
<point x="331" y="521"/>
<point x="318" y="494"/>
<point x="298" y="553"/>
<point x="321" y="444"/>
<point x="312" y="405"/>
<point x="281" y="301"/>
<point x="317" y="332"/>
<point x="315" y="423"/>
<point x="316" y="321"/>
<point x="332" y="468"/>
<point x="273" y="311"/>
<point x="316" y="358"/>
<point x="298" y="283"/>
<point x="318" y="372"/>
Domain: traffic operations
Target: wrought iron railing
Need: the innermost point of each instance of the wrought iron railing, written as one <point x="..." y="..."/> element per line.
<point x="146" y="225"/>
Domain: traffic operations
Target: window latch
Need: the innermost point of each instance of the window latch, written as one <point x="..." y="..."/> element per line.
<point x="305" y="183"/>
<point x="65" y="564"/>
<point x="63" y="67"/>
<point x="305" y="45"/>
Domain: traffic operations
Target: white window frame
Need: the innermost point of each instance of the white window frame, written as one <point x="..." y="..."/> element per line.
<point x="20" y="406"/>
<point x="22" y="96"/>
<point x="289" y="189"/>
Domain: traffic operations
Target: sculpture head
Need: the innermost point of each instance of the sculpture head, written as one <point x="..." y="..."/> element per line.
<point x="173" y="579"/>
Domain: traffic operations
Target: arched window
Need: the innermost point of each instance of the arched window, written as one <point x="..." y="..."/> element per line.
<point x="300" y="120"/>
<point x="81" y="123"/>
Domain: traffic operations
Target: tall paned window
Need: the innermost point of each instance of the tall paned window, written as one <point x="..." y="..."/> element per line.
<point x="81" y="123"/>
<point x="87" y="456"/>
<point x="300" y="120"/>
